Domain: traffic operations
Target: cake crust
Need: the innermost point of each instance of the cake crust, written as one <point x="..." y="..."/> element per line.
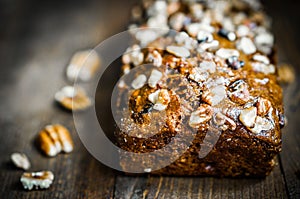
<point x="216" y="83"/>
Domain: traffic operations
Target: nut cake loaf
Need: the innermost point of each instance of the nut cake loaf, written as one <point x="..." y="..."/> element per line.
<point x="214" y="78"/>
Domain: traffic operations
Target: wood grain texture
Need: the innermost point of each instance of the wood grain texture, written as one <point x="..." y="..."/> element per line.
<point x="37" y="40"/>
<point x="285" y="17"/>
<point x="37" y="43"/>
<point x="75" y="174"/>
<point x="200" y="187"/>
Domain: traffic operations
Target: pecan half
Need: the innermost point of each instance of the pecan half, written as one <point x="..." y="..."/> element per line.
<point x="248" y="116"/>
<point x="202" y="115"/>
<point x="55" y="138"/>
<point x="224" y="122"/>
<point x="263" y="106"/>
<point x="41" y="179"/>
<point x="238" y="92"/>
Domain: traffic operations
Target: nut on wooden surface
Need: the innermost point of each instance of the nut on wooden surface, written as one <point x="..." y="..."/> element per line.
<point x="41" y="179"/>
<point x="73" y="98"/>
<point x="54" y="139"/>
<point x="83" y="65"/>
<point x="20" y="160"/>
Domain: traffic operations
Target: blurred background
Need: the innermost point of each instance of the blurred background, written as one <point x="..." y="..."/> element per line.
<point x="37" y="40"/>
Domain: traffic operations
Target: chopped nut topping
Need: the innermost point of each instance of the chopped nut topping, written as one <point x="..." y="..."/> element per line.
<point x="263" y="106"/>
<point x="225" y="53"/>
<point x="214" y="95"/>
<point x="224" y="122"/>
<point x="208" y="56"/>
<point x="122" y="84"/>
<point x="239" y="18"/>
<point x="211" y="64"/>
<point x="246" y="45"/>
<point x="201" y="73"/>
<point x="176" y="21"/>
<point x="181" y="37"/>
<point x="154" y="78"/>
<point x="218" y="94"/>
<point x="208" y="66"/>
<point x="227" y="24"/>
<point x="208" y="46"/>
<point x="261" y="124"/>
<point x="264" y="42"/>
<point x="145" y="37"/>
<point x="83" y="65"/>
<point x="173" y="7"/>
<point x="139" y="81"/>
<point x="198" y="75"/>
<point x="178" y="51"/>
<point x="242" y="31"/>
<point x="20" y="160"/>
<point x="248" y="116"/>
<point x="261" y="58"/>
<point x="160" y="99"/>
<point x="264" y="39"/>
<point x="263" y="68"/>
<point x="262" y="81"/>
<point x="204" y="36"/>
<point x="126" y="69"/>
<point x="171" y="61"/>
<point x="158" y="7"/>
<point x="41" y="179"/>
<point x="133" y="55"/>
<point x="196" y="10"/>
<point x="194" y="28"/>
<point x="164" y="96"/>
<point x="155" y="57"/>
<point x="159" y="107"/>
<point x="190" y="43"/>
<point x="73" y="98"/>
<point x="126" y="59"/>
<point x="160" y="22"/>
<point x="238" y="92"/>
<point x="202" y="115"/>
<point x="206" y="97"/>
<point x="55" y="138"/>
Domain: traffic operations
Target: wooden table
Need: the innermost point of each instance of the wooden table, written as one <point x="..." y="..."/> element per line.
<point x="37" y="39"/>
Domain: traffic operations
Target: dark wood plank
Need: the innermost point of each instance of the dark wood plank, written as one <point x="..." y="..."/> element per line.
<point x="37" y="43"/>
<point x="200" y="187"/>
<point x="77" y="175"/>
<point x="285" y="17"/>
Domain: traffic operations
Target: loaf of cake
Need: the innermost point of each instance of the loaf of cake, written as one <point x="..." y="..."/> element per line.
<point x="204" y="90"/>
